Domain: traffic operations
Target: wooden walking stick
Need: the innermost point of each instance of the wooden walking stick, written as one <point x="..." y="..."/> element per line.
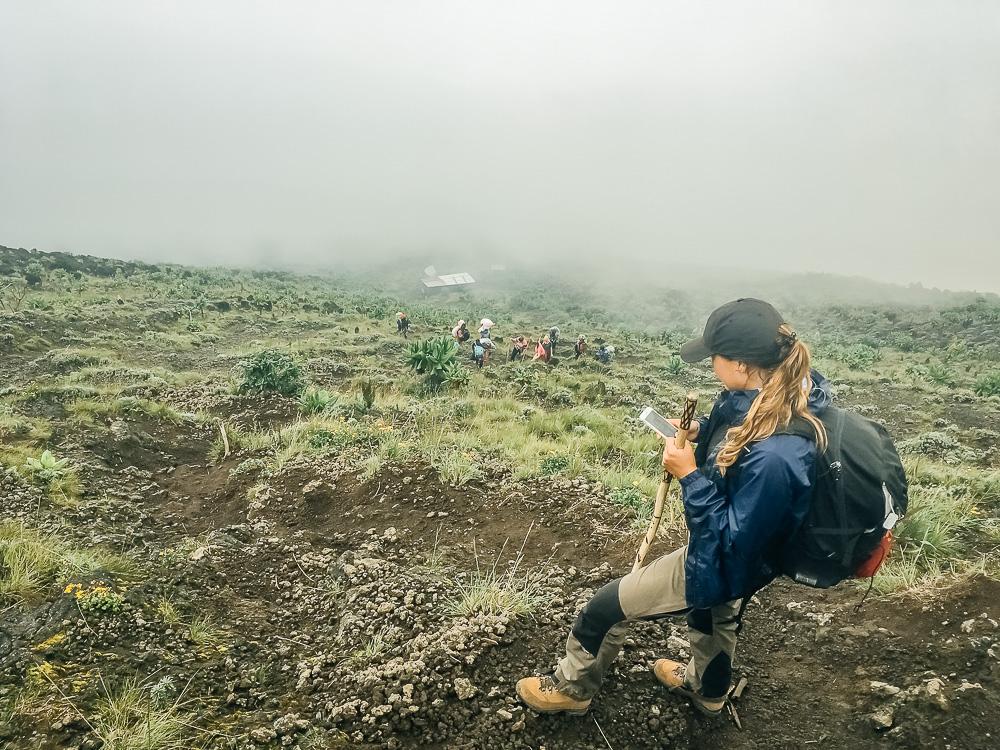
<point x="690" y="404"/>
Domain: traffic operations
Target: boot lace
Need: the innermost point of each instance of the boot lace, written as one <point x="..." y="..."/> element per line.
<point x="547" y="685"/>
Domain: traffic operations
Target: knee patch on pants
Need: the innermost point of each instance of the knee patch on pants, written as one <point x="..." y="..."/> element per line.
<point x="700" y="620"/>
<point x="598" y="617"/>
<point x="717" y="676"/>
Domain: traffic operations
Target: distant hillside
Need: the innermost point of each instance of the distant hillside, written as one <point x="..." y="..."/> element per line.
<point x="703" y="285"/>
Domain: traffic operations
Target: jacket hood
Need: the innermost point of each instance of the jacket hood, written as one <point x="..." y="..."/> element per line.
<point x="821" y="395"/>
<point x="735" y="404"/>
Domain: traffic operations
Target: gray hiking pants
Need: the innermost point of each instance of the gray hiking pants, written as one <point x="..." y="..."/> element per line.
<point x="654" y="591"/>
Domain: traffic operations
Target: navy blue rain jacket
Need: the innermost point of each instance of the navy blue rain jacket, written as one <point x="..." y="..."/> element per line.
<point x="740" y="521"/>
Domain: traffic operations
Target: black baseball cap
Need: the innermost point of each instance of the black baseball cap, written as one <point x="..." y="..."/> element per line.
<point x="745" y="329"/>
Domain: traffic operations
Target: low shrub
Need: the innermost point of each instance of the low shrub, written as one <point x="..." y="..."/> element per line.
<point x="269" y="371"/>
<point x="553" y="465"/>
<point x="940" y="446"/>
<point x="859" y="356"/>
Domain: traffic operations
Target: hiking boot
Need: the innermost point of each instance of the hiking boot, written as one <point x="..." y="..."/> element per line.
<point x="671" y="674"/>
<point x="540" y="694"/>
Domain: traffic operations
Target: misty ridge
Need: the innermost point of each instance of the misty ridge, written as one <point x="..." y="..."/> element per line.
<point x="647" y="297"/>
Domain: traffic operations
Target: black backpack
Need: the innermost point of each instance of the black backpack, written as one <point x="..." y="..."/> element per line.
<point x="860" y="493"/>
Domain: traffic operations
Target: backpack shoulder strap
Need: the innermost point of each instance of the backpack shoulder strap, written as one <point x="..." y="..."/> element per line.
<point x="798" y="426"/>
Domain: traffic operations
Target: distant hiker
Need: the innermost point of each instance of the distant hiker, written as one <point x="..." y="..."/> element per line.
<point x="605" y="352"/>
<point x="553" y="339"/>
<point x="402" y="323"/>
<point x="489" y="347"/>
<point x="478" y="352"/>
<point x="461" y="332"/>
<point x="543" y="350"/>
<point x="580" y="347"/>
<point x="481" y="351"/>
<point x="745" y="490"/>
<point x="518" y="346"/>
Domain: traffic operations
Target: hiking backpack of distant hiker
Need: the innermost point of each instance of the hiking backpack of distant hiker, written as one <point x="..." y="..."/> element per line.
<point x="478" y="351"/>
<point x="860" y="494"/>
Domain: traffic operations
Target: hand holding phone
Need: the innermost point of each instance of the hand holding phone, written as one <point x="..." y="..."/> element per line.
<point x="693" y="430"/>
<point x="665" y="428"/>
<point x="654" y="420"/>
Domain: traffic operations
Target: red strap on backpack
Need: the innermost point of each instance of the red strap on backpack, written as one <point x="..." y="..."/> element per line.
<point x="878" y="556"/>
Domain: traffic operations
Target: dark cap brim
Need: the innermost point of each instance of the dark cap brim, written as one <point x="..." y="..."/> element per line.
<point x="695" y="350"/>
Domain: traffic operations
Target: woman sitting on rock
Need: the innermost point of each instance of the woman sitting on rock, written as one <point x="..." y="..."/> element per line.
<point x="745" y="490"/>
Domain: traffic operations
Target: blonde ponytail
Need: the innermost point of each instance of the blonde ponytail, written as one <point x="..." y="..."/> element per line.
<point x="785" y="394"/>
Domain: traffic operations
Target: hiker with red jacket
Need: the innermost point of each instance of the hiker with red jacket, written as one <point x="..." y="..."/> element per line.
<point x="746" y="489"/>
<point x="543" y="349"/>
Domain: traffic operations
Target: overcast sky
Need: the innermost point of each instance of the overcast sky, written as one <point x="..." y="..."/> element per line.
<point x="855" y="137"/>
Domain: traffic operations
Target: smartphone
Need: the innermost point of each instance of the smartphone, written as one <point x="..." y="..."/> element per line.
<point x="652" y="418"/>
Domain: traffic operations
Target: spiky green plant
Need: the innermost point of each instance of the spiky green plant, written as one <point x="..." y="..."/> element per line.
<point x="133" y="718"/>
<point x="513" y="593"/>
<point x="988" y="385"/>
<point x="675" y="365"/>
<point x="437" y="359"/>
<point x="316" y="400"/>
<point x="940" y="374"/>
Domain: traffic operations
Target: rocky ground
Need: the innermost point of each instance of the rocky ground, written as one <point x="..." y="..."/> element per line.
<point x="329" y="603"/>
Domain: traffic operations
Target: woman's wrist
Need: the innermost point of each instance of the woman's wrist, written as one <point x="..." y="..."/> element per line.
<point x="689" y="477"/>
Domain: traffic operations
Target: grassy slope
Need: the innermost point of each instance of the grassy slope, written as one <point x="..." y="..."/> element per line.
<point x="83" y="351"/>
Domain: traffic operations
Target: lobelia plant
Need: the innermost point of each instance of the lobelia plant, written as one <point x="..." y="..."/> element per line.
<point x="940" y="374"/>
<point x="988" y="385"/>
<point x="437" y="359"/>
<point x="47" y="469"/>
<point x="675" y="365"/>
<point x="316" y="400"/>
